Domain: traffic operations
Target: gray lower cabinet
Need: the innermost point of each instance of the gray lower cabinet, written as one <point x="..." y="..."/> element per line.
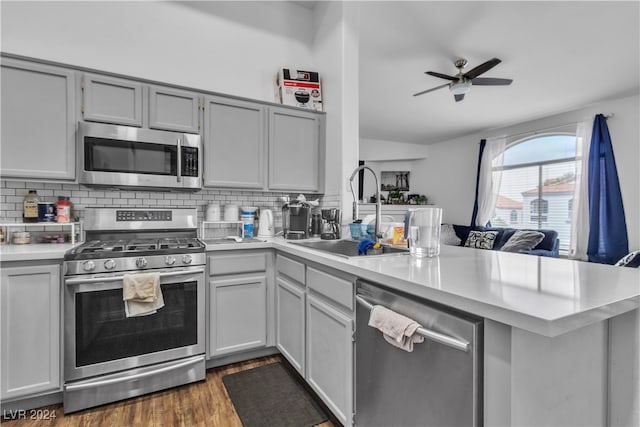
<point x="314" y="329"/>
<point x="240" y="299"/>
<point x="291" y="312"/>
<point x="234" y="150"/>
<point x="296" y="150"/>
<point x="329" y="341"/>
<point x="30" y="332"/>
<point x="38" y="121"/>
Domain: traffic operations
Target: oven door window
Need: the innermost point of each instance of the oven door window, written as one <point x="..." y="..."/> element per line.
<point x="110" y="155"/>
<point x="104" y="333"/>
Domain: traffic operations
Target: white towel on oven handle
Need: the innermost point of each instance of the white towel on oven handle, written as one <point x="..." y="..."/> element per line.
<point x="145" y="303"/>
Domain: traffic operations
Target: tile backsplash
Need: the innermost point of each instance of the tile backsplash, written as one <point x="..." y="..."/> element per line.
<point x="12" y="193"/>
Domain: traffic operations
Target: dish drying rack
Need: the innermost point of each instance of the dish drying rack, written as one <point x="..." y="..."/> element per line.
<point x="239" y="226"/>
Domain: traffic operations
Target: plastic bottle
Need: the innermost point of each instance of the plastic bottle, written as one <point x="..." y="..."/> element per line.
<point x="30" y="207"/>
<point x="63" y="210"/>
<point x="248" y="223"/>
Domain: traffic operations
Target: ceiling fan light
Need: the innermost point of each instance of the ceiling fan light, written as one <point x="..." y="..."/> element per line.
<point x="460" y="88"/>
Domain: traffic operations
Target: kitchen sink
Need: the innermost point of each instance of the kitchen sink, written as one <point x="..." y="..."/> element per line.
<point x="349" y="248"/>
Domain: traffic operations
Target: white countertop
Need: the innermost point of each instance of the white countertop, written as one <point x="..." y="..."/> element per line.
<point x="34" y="251"/>
<point x="547" y="296"/>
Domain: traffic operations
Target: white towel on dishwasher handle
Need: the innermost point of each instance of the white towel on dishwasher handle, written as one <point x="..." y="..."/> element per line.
<point x="397" y="329"/>
<point x="141" y="294"/>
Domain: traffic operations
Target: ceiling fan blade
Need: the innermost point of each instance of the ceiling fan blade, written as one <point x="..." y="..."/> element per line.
<point x="440" y="75"/>
<point x="431" y="90"/>
<point x="482" y="68"/>
<point x="458" y="98"/>
<point x="489" y="81"/>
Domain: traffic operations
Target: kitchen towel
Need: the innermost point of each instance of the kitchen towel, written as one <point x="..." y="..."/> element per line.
<point x="397" y="330"/>
<point x="141" y="294"/>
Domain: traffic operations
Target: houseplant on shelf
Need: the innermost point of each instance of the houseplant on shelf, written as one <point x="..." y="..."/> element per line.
<point x="396" y="197"/>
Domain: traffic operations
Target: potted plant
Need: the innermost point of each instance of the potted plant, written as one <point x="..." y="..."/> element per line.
<point x="396" y="197"/>
<point x="420" y="200"/>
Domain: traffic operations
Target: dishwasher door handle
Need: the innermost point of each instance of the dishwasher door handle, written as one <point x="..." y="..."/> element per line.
<point x="427" y="333"/>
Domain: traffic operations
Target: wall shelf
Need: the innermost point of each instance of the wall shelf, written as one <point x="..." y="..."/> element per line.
<point x="72" y="225"/>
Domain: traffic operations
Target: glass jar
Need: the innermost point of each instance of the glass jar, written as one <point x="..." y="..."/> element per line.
<point x="63" y="209"/>
<point x="30" y="207"/>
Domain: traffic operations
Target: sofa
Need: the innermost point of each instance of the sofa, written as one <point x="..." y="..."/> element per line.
<point x="549" y="246"/>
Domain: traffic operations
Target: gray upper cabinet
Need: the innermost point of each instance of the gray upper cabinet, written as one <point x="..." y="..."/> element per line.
<point x="296" y="150"/>
<point x="127" y="102"/>
<point x="173" y="109"/>
<point x="111" y="100"/>
<point x="234" y="147"/>
<point x="38" y="121"/>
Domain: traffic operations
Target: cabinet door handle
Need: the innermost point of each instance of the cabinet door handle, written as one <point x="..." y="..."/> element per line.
<point x="179" y="159"/>
<point x="427" y="333"/>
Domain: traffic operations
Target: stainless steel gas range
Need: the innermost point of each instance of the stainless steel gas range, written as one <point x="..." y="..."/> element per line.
<point x="109" y="355"/>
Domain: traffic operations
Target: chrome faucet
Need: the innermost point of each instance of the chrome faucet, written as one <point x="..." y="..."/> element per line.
<point x="378" y="203"/>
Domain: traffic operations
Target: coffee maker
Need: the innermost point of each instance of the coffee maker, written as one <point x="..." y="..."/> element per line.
<point x="295" y="220"/>
<point x="330" y="224"/>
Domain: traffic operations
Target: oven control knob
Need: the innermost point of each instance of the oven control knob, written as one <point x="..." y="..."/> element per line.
<point x="141" y="262"/>
<point x="88" y="265"/>
<point x="186" y="259"/>
<point x="109" y="264"/>
<point x="170" y="260"/>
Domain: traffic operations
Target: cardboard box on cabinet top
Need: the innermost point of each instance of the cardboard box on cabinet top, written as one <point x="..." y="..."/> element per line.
<point x="299" y="88"/>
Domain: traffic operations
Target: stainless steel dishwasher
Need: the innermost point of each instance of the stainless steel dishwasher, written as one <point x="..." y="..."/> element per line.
<point x="438" y="384"/>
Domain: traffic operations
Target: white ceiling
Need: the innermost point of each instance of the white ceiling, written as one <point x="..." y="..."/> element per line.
<point x="561" y="56"/>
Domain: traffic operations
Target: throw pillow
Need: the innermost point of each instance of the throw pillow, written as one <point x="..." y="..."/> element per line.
<point x="448" y="235"/>
<point x="630" y="260"/>
<point x="481" y="239"/>
<point x="523" y="240"/>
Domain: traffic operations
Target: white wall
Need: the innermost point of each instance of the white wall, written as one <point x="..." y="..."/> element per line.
<point x="382" y="155"/>
<point x="394" y="165"/>
<point x="382" y="150"/>
<point x="335" y="49"/>
<point x="229" y="47"/>
<point x="450" y="170"/>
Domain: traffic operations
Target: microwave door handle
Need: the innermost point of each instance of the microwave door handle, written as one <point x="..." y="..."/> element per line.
<point x="179" y="169"/>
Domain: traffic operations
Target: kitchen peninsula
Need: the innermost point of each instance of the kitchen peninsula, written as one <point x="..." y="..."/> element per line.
<point x="559" y="335"/>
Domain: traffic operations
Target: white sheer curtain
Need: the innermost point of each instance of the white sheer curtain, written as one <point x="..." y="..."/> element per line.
<point x="580" y="214"/>
<point x="490" y="179"/>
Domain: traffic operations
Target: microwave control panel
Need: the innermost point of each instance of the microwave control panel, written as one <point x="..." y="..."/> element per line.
<point x="189" y="161"/>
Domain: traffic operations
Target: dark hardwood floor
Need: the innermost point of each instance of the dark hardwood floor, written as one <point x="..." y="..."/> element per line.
<point x="200" y="404"/>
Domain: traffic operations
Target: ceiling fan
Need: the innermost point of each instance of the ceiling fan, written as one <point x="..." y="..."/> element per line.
<point x="462" y="82"/>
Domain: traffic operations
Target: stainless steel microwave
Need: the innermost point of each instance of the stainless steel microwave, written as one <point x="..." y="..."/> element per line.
<point x="123" y="156"/>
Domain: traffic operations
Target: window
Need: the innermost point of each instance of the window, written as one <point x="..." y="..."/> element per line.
<point x="539" y="209"/>
<point x="537" y="185"/>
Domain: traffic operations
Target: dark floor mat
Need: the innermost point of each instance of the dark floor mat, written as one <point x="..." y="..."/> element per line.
<point x="271" y="396"/>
